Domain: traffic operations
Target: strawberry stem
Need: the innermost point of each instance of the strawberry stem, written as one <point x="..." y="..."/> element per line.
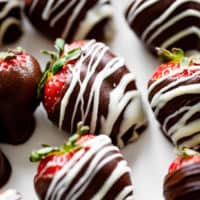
<point x="57" y="62"/>
<point x="174" y="55"/>
<point x="186" y="152"/>
<point x="69" y="146"/>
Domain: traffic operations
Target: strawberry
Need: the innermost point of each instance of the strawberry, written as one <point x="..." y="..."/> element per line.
<point x="60" y="155"/>
<point x="15" y="58"/>
<point x="55" y="76"/>
<point x="174" y="61"/>
<point x="182" y="180"/>
<point x="187" y="157"/>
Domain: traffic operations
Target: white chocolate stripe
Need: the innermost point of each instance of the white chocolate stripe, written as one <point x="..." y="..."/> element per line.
<point x="182" y="110"/>
<point x="62" y="185"/>
<point x="73" y="17"/>
<point x="162" y="101"/>
<point x="180" y="35"/>
<point x="133" y="8"/>
<point x="51" y="190"/>
<point x="123" y="101"/>
<point x="8" y="7"/>
<point x="165" y="15"/>
<point x="93" y="17"/>
<point x="192" y="143"/>
<point x="182" y="122"/>
<point x="119" y="171"/>
<point x="60" y="14"/>
<point x="100" y="50"/>
<point x="141" y="8"/>
<point x="158" y="94"/>
<point x="6" y="24"/>
<point x="92" y="169"/>
<point x="99" y="147"/>
<point x="171" y="22"/>
<point x="171" y="74"/>
<point x="101" y="165"/>
<point x="124" y="193"/>
<point x="185" y="131"/>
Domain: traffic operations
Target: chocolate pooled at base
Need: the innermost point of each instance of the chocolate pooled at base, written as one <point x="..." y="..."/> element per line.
<point x="166" y="23"/>
<point x="71" y="20"/>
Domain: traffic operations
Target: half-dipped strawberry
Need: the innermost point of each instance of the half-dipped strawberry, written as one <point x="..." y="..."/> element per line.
<point x="174" y="97"/>
<point x="85" y="81"/>
<point x="85" y="167"/>
<point x="182" y="180"/>
<point x="19" y="77"/>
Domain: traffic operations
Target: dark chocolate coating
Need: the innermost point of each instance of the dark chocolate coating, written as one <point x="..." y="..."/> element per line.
<point x="155" y="12"/>
<point x="18" y="90"/>
<point x="10" y="21"/>
<point x="35" y="15"/>
<point x="107" y="86"/>
<point x="5" y="169"/>
<point x="183" y="184"/>
<point x="89" y="187"/>
<point x="178" y="107"/>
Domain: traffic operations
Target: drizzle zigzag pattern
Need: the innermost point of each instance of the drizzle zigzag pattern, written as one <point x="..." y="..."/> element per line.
<point x="55" y="11"/>
<point x="170" y="23"/>
<point x="176" y="103"/>
<point x="95" y="161"/>
<point x="124" y="106"/>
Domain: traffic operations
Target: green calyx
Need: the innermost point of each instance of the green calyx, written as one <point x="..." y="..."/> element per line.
<point x="68" y="147"/>
<point x="11" y="53"/>
<point x="174" y="55"/>
<point x="58" y="60"/>
<point x="186" y="152"/>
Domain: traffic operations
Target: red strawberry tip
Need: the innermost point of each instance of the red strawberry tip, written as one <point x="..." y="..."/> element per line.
<point x="58" y="61"/>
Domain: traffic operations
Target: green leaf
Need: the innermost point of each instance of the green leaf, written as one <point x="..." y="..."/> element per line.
<point x="59" y="45"/>
<point x="43" y="81"/>
<point x="71" y="55"/>
<point x="42" y="153"/>
<point x="58" y="65"/>
<point x="174" y="55"/>
<point x="6" y="55"/>
<point x="52" y="54"/>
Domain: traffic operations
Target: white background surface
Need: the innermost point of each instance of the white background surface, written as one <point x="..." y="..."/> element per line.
<point x="149" y="157"/>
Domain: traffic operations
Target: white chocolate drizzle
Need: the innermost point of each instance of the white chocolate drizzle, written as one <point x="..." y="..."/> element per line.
<point x="181" y="129"/>
<point x="7" y="20"/>
<point x="121" y="103"/>
<point x="161" y="24"/>
<point x="101" y="152"/>
<point x="102" y="10"/>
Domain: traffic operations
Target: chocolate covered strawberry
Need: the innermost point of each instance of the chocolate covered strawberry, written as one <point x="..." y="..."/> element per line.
<point x="19" y="76"/>
<point x="10" y="195"/>
<point x="85" y="81"/>
<point x="182" y="181"/>
<point x="174" y="95"/>
<point x="85" y="167"/>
